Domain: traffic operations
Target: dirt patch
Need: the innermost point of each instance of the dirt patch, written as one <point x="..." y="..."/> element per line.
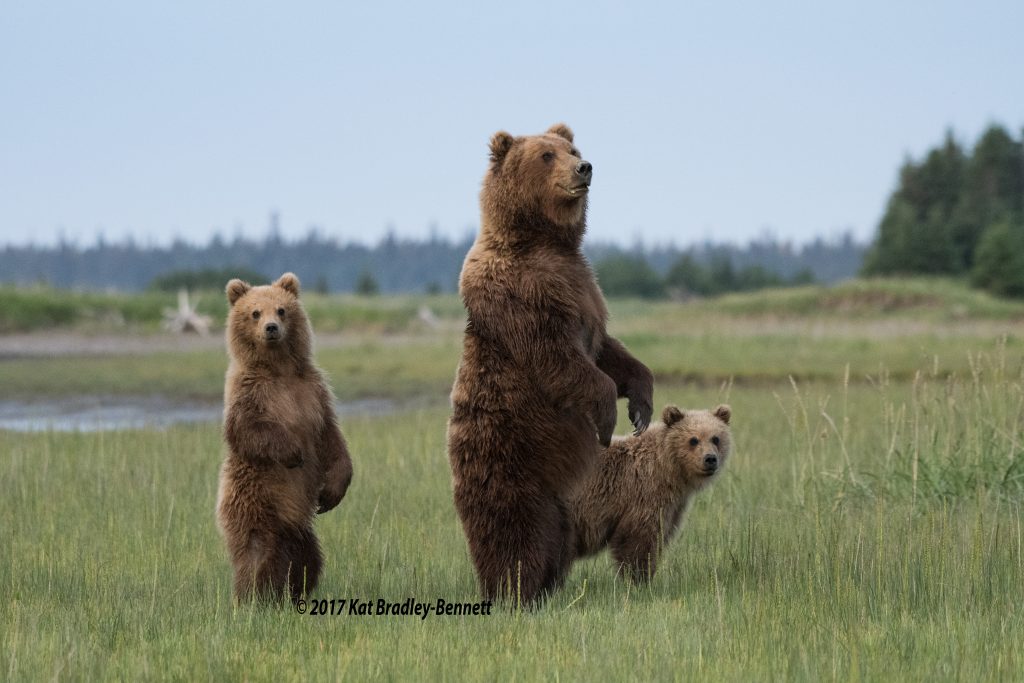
<point x="52" y="344"/>
<point x="874" y="301"/>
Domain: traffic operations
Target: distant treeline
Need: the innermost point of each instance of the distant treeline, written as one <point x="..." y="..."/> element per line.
<point x="323" y="263"/>
<point x="710" y="269"/>
<point x="629" y="275"/>
<point x="958" y="212"/>
<point x="392" y="265"/>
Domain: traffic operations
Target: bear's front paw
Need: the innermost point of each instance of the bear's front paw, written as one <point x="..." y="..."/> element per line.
<point x="640" y="410"/>
<point x="328" y="500"/>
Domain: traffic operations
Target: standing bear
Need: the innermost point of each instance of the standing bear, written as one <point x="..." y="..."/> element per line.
<point x="535" y="392"/>
<point x="286" y="459"/>
<point x="634" y="500"/>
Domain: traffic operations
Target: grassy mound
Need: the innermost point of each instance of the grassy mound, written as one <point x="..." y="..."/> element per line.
<point x="936" y="298"/>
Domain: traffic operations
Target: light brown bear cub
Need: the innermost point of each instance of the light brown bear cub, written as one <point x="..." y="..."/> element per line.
<point x="634" y="500"/>
<point x="286" y="459"/>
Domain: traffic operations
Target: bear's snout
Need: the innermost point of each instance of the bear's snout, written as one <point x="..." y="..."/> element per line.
<point x="585" y="171"/>
<point x="272" y="330"/>
<point x="710" y="462"/>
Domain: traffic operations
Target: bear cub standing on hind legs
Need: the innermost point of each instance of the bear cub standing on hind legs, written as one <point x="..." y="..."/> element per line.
<point x="286" y="458"/>
<point x="635" y="499"/>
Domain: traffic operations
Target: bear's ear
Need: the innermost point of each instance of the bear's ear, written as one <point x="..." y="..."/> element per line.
<point x="236" y="289"/>
<point x="723" y="413"/>
<point x="501" y="143"/>
<point x="671" y="415"/>
<point x="561" y="130"/>
<point x="289" y="283"/>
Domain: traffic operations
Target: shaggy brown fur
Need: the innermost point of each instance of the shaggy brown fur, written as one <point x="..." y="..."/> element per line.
<point x="636" y="497"/>
<point x="286" y="458"/>
<point x="537" y="385"/>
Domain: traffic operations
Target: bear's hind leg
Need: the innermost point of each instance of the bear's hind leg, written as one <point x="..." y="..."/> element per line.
<point x="253" y="575"/>
<point x="510" y="541"/>
<point x="562" y="549"/>
<point x="636" y="554"/>
<point x="298" y="562"/>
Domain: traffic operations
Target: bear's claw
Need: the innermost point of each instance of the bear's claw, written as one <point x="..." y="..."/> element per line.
<point x="640" y="416"/>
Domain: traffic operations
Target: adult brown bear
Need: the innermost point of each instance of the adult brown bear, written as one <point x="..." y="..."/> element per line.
<point x="536" y="388"/>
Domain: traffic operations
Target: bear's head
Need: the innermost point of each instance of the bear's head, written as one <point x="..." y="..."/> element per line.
<point x="536" y="187"/>
<point x="697" y="442"/>
<point x="267" y="322"/>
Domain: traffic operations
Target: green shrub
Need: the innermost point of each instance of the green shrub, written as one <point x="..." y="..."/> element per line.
<point x="626" y="275"/>
<point x="999" y="261"/>
<point x="206" y="278"/>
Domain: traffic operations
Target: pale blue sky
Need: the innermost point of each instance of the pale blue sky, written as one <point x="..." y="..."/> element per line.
<point x="703" y="120"/>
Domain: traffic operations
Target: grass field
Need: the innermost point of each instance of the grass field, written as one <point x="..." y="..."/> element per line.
<point x="868" y="527"/>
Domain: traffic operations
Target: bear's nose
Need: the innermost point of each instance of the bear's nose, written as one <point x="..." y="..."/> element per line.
<point x="271" y="328"/>
<point x="710" y="461"/>
<point x="585" y="169"/>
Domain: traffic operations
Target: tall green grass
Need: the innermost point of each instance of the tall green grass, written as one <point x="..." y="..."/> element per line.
<point x="865" y="531"/>
<point x="941" y="436"/>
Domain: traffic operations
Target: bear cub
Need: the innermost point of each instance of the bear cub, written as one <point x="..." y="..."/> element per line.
<point x="634" y="500"/>
<point x="286" y="459"/>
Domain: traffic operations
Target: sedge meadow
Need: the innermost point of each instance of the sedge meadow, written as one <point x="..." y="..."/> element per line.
<point x="867" y="527"/>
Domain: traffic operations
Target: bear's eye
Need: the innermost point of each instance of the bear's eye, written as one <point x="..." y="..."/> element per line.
<point x="255" y="315"/>
<point x="694" y="441"/>
<point x="714" y="440"/>
<point x="575" y="152"/>
<point x="547" y="156"/>
<point x="280" y="312"/>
